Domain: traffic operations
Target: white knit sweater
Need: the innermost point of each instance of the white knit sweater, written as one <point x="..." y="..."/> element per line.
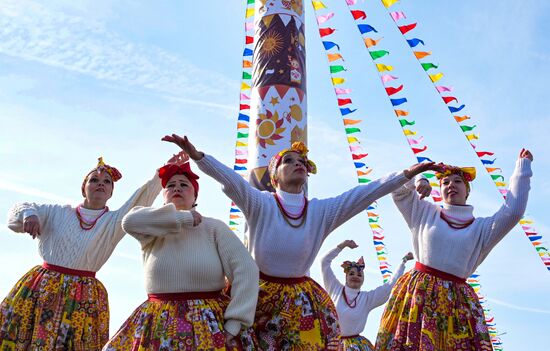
<point x="178" y="257"/>
<point x="64" y="243"/>
<point x="353" y="320"/>
<point x="279" y="249"/>
<point x="461" y="251"/>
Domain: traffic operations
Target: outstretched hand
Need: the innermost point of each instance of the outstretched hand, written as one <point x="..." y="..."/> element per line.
<point x="422" y="167"/>
<point x="348" y="243"/>
<point x="423" y="188"/>
<point x="31" y="225"/>
<point x="409" y="256"/>
<point x="524" y="153"/>
<point x="185" y="145"/>
<point x="179" y="158"/>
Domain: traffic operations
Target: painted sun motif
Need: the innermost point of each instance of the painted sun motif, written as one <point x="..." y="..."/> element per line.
<point x="272" y="44"/>
<point x="269" y="128"/>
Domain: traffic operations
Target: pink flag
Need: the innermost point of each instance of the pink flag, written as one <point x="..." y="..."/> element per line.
<point x="340" y="91"/>
<point x="387" y="78"/>
<point x="441" y="88"/>
<point x="351" y="2"/>
<point x="324" y="18"/>
<point x="249" y="26"/>
<point x="397" y="15"/>
<point x="245" y="97"/>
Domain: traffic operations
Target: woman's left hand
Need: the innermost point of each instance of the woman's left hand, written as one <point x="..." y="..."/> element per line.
<point x="524" y="153"/>
<point x="409" y="256"/>
<point x="423" y="188"/>
<point x="197" y="218"/>
<point x="230" y="341"/>
<point x="422" y="167"/>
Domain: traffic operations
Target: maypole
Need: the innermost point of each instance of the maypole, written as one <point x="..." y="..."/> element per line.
<point x="278" y="93"/>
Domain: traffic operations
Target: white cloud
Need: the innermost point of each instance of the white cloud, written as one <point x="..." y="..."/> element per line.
<point x="516" y="307"/>
<point x="36" y="33"/>
<point x="26" y="190"/>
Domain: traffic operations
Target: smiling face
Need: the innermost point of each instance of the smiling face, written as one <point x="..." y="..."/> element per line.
<point x="454" y="190"/>
<point x="354" y="278"/>
<point x="180" y="192"/>
<point x="98" y="188"/>
<point x="291" y="170"/>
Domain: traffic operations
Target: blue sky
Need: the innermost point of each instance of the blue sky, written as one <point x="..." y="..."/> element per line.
<point x="80" y="79"/>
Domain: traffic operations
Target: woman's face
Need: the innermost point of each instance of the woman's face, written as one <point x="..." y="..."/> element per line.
<point x="454" y="190"/>
<point x="292" y="169"/>
<point x="180" y="192"/>
<point x="98" y="187"/>
<point x="354" y="278"/>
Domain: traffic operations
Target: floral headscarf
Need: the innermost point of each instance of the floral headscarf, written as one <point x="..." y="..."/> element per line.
<point x="298" y="147"/>
<point x="348" y="265"/>
<point x="102" y="167"/>
<point x="468" y="174"/>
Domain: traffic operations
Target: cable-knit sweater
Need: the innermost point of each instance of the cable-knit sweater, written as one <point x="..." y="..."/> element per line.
<point x="461" y="251"/>
<point x="279" y="249"/>
<point x="353" y="320"/>
<point x="63" y="242"/>
<point x="178" y="257"/>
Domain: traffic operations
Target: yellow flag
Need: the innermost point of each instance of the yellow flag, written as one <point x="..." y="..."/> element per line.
<point x="249" y="12"/>
<point x="500" y="184"/>
<point x="317" y="5"/>
<point x="383" y="68"/>
<point x="337" y="81"/>
<point x="525" y="221"/>
<point x="353" y="140"/>
<point x="389" y="3"/>
<point x="245" y="86"/>
<point x="240" y="143"/>
<point x="472" y="136"/>
<point x="436" y="77"/>
<point x="408" y="132"/>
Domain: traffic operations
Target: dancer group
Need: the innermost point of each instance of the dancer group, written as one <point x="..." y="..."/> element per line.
<point x="206" y="291"/>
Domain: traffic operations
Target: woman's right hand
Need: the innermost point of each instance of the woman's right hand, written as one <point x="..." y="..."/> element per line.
<point x="185" y="145"/>
<point x="31" y="225"/>
<point x="347" y="243"/>
<point x="197" y="218"/>
<point x="524" y="153"/>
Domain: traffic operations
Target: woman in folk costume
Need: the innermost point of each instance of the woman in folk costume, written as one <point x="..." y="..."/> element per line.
<point x="432" y="307"/>
<point x="286" y="231"/>
<point x="353" y="304"/>
<point x="187" y="258"/>
<point x="60" y="305"/>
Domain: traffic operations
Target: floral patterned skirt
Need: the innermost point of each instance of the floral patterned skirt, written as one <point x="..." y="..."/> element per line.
<point x="355" y="343"/>
<point x="427" y="313"/>
<point x="179" y="325"/>
<point x="48" y="310"/>
<point x="295" y="314"/>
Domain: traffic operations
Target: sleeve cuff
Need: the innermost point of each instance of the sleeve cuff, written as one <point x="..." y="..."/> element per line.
<point x="233" y="327"/>
<point x="185" y="218"/>
<point x="29" y="212"/>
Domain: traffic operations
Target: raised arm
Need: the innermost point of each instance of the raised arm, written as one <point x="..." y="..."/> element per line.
<point x="380" y="295"/>
<point x="243" y="274"/>
<point x="353" y="201"/>
<point x="331" y="283"/>
<point x="516" y="201"/>
<point x="245" y="196"/>
<point x="146" y="223"/>
<point x="28" y="217"/>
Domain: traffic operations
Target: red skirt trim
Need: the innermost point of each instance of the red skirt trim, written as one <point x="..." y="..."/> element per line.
<point x="195" y="295"/>
<point x="65" y="270"/>
<point x="279" y="280"/>
<point x="437" y="273"/>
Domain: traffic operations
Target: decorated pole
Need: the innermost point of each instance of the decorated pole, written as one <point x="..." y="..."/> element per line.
<point x="278" y="94"/>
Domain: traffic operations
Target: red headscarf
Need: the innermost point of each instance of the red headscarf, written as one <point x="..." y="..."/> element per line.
<point x="166" y="172"/>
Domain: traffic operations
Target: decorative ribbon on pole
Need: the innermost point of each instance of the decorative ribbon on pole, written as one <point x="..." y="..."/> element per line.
<point x="236" y="218"/>
<point x="486" y="157"/>
<point x="352" y="130"/>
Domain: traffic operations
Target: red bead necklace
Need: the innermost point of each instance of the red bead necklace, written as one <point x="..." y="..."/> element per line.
<point x="353" y="302"/>
<point x="88" y="225"/>
<point x="455" y="225"/>
<point x="287" y="215"/>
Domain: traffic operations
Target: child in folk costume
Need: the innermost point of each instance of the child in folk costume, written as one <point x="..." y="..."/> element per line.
<point x="432" y="307"/>
<point x="60" y="305"/>
<point x="352" y="303"/>
<point x="187" y="258"/>
<point x="286" y="231"/>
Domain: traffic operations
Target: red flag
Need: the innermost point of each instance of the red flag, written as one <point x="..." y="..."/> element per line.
<point x="359" y="14"/>
<point x="391" y="90"/>
<point x="241" y="161"/>
<point x="342" y="102"/>
<point x="326" y="31"/>
<point x="417" y="151"/>
<point x="359" y="156"/>
<point x="448" y="99"/>
<point x="484" y="153"/>
<point x="249" y="39"/>
<point x="244" y="107"/>
<point x="407" y="28"/>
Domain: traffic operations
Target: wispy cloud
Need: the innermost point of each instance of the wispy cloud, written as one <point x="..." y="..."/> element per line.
<point x="516" y="307"/>
<point x="26" y="190"/>
<point x="31" y="31"/>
